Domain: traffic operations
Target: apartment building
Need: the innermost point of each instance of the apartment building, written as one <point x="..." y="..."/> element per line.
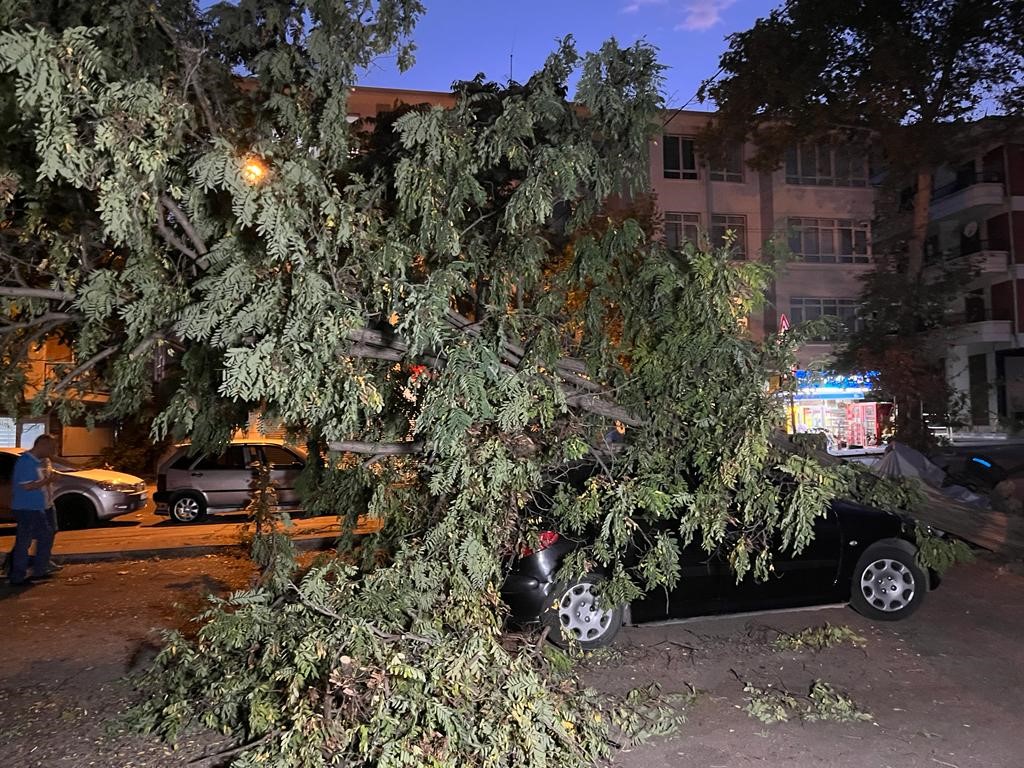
<point x="47" y="361"/>
<point x="977" y="221"/>
<point x="819" y="205"/>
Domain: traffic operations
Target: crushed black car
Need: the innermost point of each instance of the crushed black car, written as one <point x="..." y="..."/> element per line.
<point x="859" y="555"/>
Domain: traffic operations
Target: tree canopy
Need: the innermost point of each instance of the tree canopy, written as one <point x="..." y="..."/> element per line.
<point x="458" y="302"/>
<point x="902" y="75"/>
<point x="901" y="79"/>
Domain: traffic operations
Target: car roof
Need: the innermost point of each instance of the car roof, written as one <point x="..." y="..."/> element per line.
<point x="243" y="441"/>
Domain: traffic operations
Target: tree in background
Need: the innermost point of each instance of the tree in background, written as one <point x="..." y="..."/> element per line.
<point x="900" y="76"/>
<point x="447" y="303"/>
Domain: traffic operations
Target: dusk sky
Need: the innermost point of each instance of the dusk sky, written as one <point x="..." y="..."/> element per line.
<point x="458" y="38"/>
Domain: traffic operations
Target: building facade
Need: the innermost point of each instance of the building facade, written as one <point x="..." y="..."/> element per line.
<point x="977" y="222"/>
<point x="817" y="208"/>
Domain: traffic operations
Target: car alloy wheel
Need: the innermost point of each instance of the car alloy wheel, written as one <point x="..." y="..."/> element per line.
<point x="888" y="585"/>
<point x="187" y="509"/>
<point x="577" y="616"/>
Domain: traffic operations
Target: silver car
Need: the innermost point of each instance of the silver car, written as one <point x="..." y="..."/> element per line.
<point x="189" y="487"/>
<point x="83" y="497"/>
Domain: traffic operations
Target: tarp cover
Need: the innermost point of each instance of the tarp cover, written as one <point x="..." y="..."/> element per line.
<point x="903" y="461"/>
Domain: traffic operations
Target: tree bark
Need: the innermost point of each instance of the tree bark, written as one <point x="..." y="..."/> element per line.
<point x="919" y="225"/>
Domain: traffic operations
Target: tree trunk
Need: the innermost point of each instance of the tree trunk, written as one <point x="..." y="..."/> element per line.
<point x="919" y="225"/>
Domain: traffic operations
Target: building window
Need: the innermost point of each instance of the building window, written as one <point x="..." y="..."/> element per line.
<point x="680" y="158"/>
<point x="827" y="165"/>
<point x="737" y="225"/>
<point x="680" y="228"/>
<point x="804" y="308"/>
<point x="731" y="166"/>
<point x="829" y="241"/>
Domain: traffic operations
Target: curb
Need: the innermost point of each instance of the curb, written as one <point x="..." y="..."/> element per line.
<point x="196" y="550"/>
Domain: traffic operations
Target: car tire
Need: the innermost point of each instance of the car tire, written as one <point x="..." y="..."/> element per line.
<point x="888" y="584"/>
<point x="574" y="615"/>
<point x="187" y="508"/>
<point x="75" y="512"/>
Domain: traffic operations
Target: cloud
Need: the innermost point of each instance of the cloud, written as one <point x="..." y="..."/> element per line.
<point x="703" y="14"/>
<point x="636" y="5"/>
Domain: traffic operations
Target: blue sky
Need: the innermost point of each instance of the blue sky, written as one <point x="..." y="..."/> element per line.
<point x="458" y="38"/>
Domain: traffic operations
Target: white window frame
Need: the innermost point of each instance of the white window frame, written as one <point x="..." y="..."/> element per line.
<point x="732" y="169"/>
<point x="826" y="306"/>
<point x="680" y="227"/>
<point x="724" y="222"/>
<point x="827" y="165"/>
<point x="830" y="238"/>
<point x="682" y="173"/>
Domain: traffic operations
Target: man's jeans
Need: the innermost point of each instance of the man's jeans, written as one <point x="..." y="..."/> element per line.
<point x="33" y="524"/>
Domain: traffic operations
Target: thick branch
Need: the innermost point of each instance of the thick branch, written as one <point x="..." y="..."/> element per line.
<point x="170" y="238"/>
<point x="192" y="78"/>
<point x="92" y="362"/>
<point x="35" y="293"/>
<point x="184" y="223"/>
<point x="379" y="449"/>
<point x="41" y="320"/>
<point x="593" y="404"/>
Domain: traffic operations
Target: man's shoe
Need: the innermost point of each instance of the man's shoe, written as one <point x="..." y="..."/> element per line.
<point x="22" y="583"/>
<point x="55" y="566"/>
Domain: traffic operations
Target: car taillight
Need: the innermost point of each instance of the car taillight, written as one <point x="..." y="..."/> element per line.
<point x="545" y="539"/>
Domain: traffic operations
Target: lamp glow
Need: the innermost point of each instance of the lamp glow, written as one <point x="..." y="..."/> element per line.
<point x="254" y="170"/>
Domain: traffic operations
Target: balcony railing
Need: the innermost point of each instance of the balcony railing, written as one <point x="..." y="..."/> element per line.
<point x="967" y="250"/>
<point x="965" y="180"/>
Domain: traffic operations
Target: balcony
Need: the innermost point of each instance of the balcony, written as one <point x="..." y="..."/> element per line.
<point x="974" y="327"/>
<point x="972" y="194"/>
<point x="980" y="262"/>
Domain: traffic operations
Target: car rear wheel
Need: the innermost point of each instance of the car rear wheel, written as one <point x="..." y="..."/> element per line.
<point x="888" y="584"/>
<point x="75" y="512"/>
<point x="577" y="614"/>
<point x="187" y="508"/>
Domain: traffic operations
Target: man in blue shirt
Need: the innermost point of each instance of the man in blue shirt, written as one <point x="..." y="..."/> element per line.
<point x="31" y="496"/>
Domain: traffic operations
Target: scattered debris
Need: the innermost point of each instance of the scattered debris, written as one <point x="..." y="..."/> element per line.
<point x="822" y="702"/>
<point x="818" y="638"/>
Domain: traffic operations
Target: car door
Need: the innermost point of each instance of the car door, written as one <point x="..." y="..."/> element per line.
<point x="809" y="578"/>
<point x="285" y="467"/>
<point x="225" y="479"/>
<point x="695" y="594"/>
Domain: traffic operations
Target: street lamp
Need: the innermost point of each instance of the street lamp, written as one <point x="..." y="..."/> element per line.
<point x="254" y="170"/>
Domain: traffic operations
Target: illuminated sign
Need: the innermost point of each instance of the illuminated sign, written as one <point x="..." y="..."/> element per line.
<point x="811" y="385"/>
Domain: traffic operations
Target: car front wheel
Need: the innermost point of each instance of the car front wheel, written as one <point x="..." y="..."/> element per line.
<point x="188" y="508"/>
<point x="577" y="615"/>
<point x="888" y="584"/>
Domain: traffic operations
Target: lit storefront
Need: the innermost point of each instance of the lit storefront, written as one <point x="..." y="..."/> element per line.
<point x="836" y="406"/>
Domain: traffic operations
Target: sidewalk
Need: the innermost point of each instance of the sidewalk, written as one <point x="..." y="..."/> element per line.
<point x="132" y="542"/>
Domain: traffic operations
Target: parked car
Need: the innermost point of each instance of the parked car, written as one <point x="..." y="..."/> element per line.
<point x="858" y="555"/>
<point x="189" y="487"/>
<point x="83" y="497"/>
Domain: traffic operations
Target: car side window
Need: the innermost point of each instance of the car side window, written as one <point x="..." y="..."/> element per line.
<point x="6" y="468"/>
<point x="232" y="458"/>
<point x="183" y="462"/>
<point x="277" y="457"/>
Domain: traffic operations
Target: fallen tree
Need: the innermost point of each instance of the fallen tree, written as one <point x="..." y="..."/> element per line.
<point x="449" y="298"/>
